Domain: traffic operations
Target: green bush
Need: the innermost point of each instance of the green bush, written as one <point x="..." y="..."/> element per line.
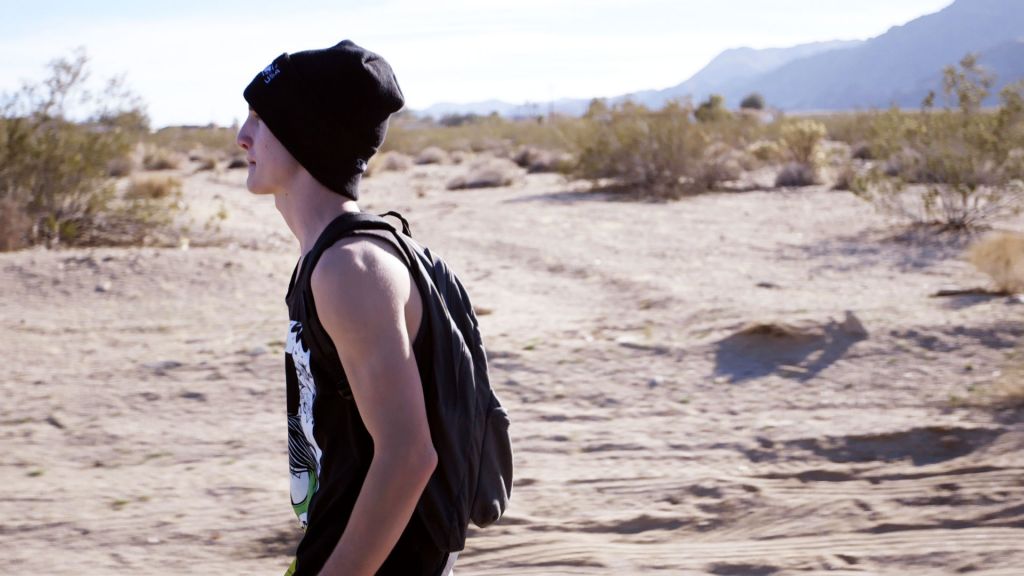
<point x="54" y="182"/>
<point x="657" y="153"/>
<point x="955" y="165"/>
<point x="712" y="110"/>
<point x="752" y="101"/>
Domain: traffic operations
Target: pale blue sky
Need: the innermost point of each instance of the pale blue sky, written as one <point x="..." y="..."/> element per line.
<point x="190" y="59"/>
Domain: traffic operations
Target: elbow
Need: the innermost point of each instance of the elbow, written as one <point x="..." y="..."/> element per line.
<point x="427" y="462"/>
<point x="415" y="462"/>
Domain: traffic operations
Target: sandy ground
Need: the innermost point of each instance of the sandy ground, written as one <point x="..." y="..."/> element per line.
<point x="732" y="384"/>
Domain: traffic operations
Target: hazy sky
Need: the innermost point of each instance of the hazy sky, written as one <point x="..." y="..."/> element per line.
<point x="190" y="59"/>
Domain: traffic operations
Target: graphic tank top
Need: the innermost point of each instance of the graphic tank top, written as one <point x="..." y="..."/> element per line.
<point x="329" y="448"/>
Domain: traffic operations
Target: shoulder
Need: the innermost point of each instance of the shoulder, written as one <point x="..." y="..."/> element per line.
<point x="360" y="277"/>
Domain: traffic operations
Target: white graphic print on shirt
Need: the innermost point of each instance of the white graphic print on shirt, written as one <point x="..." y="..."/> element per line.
<point x="303" y="452"/>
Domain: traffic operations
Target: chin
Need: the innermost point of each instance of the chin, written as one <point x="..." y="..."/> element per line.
<point x="256" y="187"/>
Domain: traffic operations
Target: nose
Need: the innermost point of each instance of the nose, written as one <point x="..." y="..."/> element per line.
<point x="243" y="139"/>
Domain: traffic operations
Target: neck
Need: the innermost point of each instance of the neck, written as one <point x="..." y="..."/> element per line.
<point x="308" y="207"/>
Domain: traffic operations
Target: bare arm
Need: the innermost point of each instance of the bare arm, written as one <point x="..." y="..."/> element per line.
<point x="367" y="302"/>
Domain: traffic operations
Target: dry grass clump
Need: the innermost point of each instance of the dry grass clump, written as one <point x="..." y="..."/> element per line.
<point x="161" y="159"/>
<point x="487" y="173"/>
<point x="1001" y="256"/>
<point x="432" y="155"/>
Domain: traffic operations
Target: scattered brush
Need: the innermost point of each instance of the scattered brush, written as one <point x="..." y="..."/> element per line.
<point x="237" y="162"/>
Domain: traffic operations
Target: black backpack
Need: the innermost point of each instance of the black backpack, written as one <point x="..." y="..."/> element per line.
<point x="468" y="425"/>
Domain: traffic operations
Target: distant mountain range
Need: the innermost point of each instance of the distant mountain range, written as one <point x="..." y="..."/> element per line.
<point x="898" y="67"/>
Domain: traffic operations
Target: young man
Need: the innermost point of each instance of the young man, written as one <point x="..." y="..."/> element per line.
<point x="360" y="450"/>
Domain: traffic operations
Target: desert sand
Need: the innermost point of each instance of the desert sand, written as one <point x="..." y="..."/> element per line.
<point x="752" y="383"/>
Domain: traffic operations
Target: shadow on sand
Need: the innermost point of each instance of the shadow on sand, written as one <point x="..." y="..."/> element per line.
<point x="798" y="350"/>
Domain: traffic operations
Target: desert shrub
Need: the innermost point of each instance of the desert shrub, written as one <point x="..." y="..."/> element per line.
<point x="752" y="101"/>
<point x="487" y="173"/>
<point x="657" y="153"/>
<point x="862" y="151"/>
<point x="800" y="143"/>
<point x="1001" y="256"/>
<point x="800" y="140"/>
<point x="536" y="160"/>
<point x="846" y="177"/>
<point x="432" y="155"/>
<point x="157" y="158"/>
<point x="54" y="168"/>
<point x="721" y="163"/>
<point x="712" y="110"/>
<point x="394" y="162"/>
<point x="952" y="165"/>
<point x="765" y="151"/>
<point x="388" y="162"/>
<point x="237" y="162"/>
<point x="796" y="174"/>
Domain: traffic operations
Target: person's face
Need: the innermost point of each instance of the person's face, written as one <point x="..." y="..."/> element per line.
<point x="271" y="167"/>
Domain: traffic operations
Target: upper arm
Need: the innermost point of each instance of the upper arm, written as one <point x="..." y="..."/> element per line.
<point x="366" y="301"/>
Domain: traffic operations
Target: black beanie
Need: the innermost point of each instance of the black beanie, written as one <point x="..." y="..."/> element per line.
<point x="329" y="108"/>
